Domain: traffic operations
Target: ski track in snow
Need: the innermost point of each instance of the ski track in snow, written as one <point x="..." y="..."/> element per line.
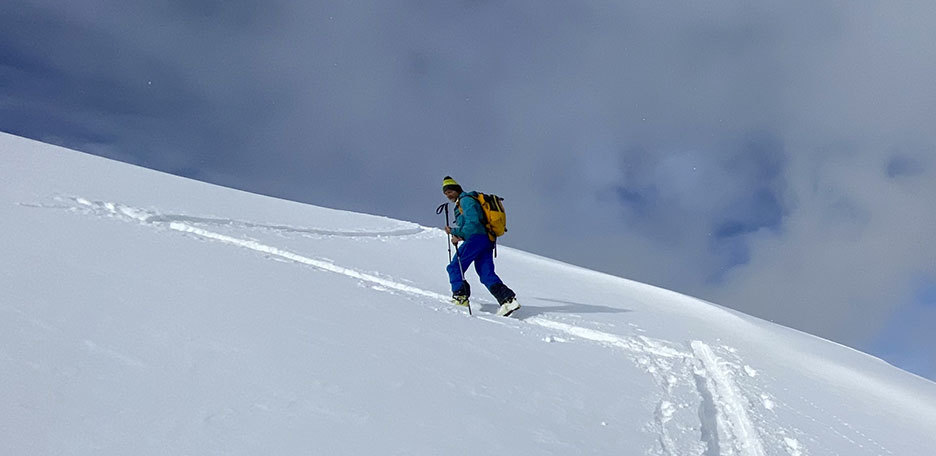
<point x="693" y="370"/>
<point x="150" y="217"/>
<point x="723" y="407"/>
<point x="281" y="228"/>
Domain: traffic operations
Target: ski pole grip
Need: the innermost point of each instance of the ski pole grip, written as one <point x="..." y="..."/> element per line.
<point x="443" y="208"/>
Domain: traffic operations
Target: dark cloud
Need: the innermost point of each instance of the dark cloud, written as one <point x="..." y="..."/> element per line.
<point x="903" y="165"/>
<point x="777" y="158"/>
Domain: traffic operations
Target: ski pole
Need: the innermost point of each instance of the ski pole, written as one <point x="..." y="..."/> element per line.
<point x="461" y="271"/>
<point x="448" y="239"/>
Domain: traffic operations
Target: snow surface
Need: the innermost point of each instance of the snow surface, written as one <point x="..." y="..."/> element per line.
<point x="143" y="313"/>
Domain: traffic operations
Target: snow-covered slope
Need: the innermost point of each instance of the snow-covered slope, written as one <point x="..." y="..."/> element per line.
<point x="143" y="313"/>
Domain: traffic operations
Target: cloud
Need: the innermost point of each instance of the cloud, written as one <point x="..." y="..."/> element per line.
<point x="848" y="251"/>
<point x="903" y="333"/>
<point x="774" y="158"/>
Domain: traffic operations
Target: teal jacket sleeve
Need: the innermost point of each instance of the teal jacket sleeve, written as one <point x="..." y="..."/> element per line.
<point x="470" y="220"/>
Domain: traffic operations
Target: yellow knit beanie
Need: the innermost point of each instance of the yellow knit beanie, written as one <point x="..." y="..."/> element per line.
<point x="449" y="183"/>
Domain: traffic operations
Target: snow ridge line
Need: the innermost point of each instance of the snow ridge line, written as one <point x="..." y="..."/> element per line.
<point x="724" y="414"/>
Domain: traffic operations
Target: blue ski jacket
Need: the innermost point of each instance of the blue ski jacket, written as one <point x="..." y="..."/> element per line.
<point x="469" y="217"/>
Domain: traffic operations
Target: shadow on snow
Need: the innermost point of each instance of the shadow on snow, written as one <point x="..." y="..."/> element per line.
<point x="569" y="307"/>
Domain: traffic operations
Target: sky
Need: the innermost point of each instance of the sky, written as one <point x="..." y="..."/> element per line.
<point x="779" y="159"/>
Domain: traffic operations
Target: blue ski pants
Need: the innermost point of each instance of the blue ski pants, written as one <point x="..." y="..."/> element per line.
<point x="477" y="249"/>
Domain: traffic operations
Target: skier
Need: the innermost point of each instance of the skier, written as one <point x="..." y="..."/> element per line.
<point x="478" y="248"/>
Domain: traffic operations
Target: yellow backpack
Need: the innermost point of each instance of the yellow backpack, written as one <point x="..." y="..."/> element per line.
<point x="495" y="217"/>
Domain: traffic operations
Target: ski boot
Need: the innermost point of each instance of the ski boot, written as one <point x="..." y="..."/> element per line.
<point x="460" y="300"/>
<point x="508" y="307"/>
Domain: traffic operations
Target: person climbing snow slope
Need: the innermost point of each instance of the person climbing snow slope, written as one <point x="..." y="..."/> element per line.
<point x="477" y="246"/>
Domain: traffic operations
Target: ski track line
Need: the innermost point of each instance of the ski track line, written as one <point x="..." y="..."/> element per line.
<point x="319" y="264"/>
<point x="282" y="228"/>
<point x="724" y="407"/>
<point x="772" y="434"/>
<point x="661" y="416"/>
<point x="145" y="216"/>
<point x="635" y="344"/>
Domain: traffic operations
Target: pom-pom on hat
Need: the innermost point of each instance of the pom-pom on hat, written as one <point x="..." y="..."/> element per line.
<point x="449" y="184"/>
